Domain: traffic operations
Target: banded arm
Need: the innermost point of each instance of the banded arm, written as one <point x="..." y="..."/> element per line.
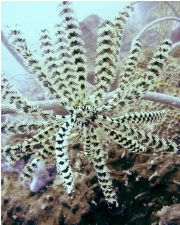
<point x="44" y="134"/>
<point x="61" y="151"/>
<point x="43" y="154"/>
<point x="124" y="79"/>
<point x="12" y="96"/>
<point x="106" y="60"/>
<point x="67" y="82"/>
<point x="120" y="22"/>
<point x="129" y="68"/>
<point x="33" y="65"/>
<point x="15" y="152"/>
<point x="29" y="170"/>
<point x="88" y="150"/>
<point x="141" y="117"/>
<point x="155" y="67"/>
<point x="17" y="41"/>
<point x="17" y="127"/>
<point x="49" y="57"/>
<point x="122" y="139"/>
<point x="152" y="74"/>
<point x="139" y="87"/>
<point x="76" y="45"/>
<point x="147" y="139"/>
<point x="102" y="170"/>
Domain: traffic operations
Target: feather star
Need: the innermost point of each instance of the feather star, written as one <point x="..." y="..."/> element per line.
<point x="63" y="73"/>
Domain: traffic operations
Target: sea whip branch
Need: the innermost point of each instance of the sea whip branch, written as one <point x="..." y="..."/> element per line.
<point x="154" y="22"/>
<point x="53" y="104"/>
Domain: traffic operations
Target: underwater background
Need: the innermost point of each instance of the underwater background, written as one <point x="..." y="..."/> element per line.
<point x="147" y="184"/>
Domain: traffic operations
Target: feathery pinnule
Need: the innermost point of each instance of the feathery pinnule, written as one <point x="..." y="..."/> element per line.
<point x="122" y="139"/>
<point x="129" y="68"/>
<point x="106" y="60"/>
<point x="119" y="23"/>
<point x="17" y="127"/>
<point x="140" y="117"/>
<point x="61" y="151"/>
<point x="52" y="65"/>
<point x="13" y="153"/>
<point x="155" y="67"/>
<point x="30" y="145"/>
<point x="12" y="96"/>
<point x="28" y="127"/>
<point x="76" y="46"/>
<point x="141" y="136"/>
<point x="124" y="78"/>
<point x="67" y="82"/>
<point x="88" y="150"/>
<point x="17" y="41"/>
<point x="48" y="54"/>
<point x="102" y="170"/>
<point x="33" y="65"/>
<point x="43" y="154"/>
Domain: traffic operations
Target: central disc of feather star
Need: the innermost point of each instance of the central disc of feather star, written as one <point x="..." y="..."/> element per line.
<point x="86" y="114"/>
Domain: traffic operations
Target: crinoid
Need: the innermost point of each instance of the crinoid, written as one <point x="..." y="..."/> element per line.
<point x="63" y="73"/>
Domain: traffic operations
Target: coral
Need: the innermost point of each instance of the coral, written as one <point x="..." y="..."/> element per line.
<point x="88" y="120"/>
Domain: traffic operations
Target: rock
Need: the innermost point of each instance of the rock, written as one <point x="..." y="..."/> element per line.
<point x="175" y="35"/>
<point x="169" y="215"/>
<point x="40" y="178"/>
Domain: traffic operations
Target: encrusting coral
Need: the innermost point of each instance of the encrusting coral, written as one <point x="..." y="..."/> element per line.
<point x="64" y="74"/>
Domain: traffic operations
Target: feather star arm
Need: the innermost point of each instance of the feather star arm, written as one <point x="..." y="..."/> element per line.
<point x="153" y="72"/>
<point x="106" y="60"/>
<point x="18" y="42"/>
<point x="76" y="45"/>
<point x="123" y="140"/>
<point x="12" y="96"/>
<point x="62" y="161"/>
<point x="144" y="138"/>
<point x="17" y="127"/>
<point x="102" y="170"/>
